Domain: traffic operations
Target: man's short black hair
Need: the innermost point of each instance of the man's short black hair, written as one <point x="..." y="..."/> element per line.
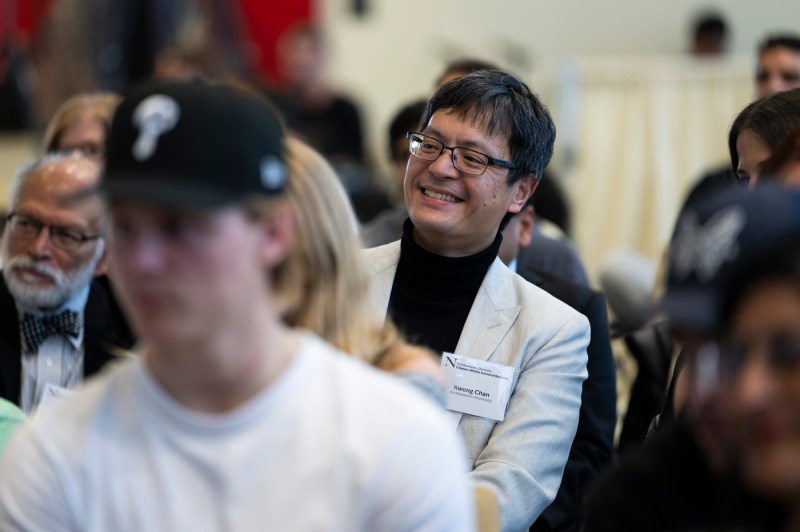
<point x="785" y="40"/>
<point x="711" y="24"/>
<point x="502" y="104"/>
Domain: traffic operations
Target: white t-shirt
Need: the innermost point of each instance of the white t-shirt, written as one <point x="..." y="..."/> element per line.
<point x="332" y="444"/>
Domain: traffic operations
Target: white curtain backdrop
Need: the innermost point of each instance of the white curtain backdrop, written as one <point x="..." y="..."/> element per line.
<point x="638" y="132"/>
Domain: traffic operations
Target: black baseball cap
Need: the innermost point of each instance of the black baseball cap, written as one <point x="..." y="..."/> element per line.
<point x="717" y="239"/>
<point x="193" y="145"/>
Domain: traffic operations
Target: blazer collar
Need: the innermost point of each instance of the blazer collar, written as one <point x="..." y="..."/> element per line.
<point x="492" y="314"/>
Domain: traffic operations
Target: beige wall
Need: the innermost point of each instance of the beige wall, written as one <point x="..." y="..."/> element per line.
<point x="15" y="150"/>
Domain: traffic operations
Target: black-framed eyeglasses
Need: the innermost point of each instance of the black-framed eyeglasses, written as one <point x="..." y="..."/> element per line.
<point x="468" y="161"/>
<point x="28" y="227"/>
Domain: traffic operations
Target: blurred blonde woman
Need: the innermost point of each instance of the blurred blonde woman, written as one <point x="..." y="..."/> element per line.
<point x="81" y="124"/>
<point x="324" y="283"/>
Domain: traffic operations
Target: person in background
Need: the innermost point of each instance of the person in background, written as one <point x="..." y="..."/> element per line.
<point x="778" y="64"/>
<point x="688" y="475"/>
<point x="709" y="35"/>
<point x="550" y="250"/>
<point x="325" y="119"/>
<point x="484" y="142"/>
<point x="81" y="125"/>
<point x="61" y="321"/>
<point x="759" y="353"/>
<point x="593" y="446"/>
<point x="325" y="282"/>
<point x="777" y="70"/>
<point x="229" y="419"/>
<point x="758" y="129"/>
<point x="388" y="226"/>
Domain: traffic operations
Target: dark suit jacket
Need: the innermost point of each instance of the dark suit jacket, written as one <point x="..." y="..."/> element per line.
<point x="104" y="328"/>
<point x="592" y="448"/>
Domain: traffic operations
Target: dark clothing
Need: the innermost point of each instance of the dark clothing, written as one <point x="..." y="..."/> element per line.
<point x="593" y="447"/>
<point x="668" y="484"/>
<point x="554" y="256"/>
<point x="712" y="182"/>
<point x="432" y="295"/>
<point x="652" y="347"/>
<point x="333" y="130"/>
<point x="104" y="328"/>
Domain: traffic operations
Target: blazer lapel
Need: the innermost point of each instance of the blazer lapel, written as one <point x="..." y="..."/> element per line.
<point x="492" y="314"/>
<point x="382" y="264"/>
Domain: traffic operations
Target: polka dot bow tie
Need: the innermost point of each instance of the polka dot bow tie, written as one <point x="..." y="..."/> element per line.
<point x="36" y="330"/>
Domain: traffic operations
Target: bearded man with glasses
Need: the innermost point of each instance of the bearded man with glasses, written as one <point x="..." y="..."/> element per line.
<point x="61" y="321"/>
<point x="514" y="356"/>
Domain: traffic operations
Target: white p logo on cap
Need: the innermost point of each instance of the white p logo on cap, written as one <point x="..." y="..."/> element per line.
<point x="154" y="116"/>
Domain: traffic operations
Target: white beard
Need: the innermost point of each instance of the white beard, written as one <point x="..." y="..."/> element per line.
<point x="64" y="284"/>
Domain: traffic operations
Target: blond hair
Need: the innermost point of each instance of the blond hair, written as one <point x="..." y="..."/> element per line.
<point x="324" y="282"/>
<point x="99" y="105"/>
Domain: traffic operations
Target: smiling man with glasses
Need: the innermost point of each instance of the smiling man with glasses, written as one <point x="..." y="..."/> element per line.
<point x="60" y="320"/>
<point x="515" y="357"/>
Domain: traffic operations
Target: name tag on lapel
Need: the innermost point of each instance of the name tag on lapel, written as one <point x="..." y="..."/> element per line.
<point x="477" y="387"/>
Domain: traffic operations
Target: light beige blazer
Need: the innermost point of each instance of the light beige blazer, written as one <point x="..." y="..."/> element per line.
<point x="513" y="322"/>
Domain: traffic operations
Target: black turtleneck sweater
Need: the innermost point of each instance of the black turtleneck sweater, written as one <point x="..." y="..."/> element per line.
<point x="432" y="295"/>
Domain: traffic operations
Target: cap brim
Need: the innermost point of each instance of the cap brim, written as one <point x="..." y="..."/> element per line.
<point x="165" y="192"/>
<point x="690" y="310"/>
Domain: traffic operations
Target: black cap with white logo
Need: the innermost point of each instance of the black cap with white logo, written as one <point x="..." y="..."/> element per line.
<point x="193" y="145"/>
<point x="716" y="241"/>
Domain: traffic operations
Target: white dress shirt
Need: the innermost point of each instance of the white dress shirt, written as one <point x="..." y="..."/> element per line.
<point x="59" y="360"/>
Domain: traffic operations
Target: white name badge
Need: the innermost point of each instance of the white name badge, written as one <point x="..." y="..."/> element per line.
<point x="477" y="387"/>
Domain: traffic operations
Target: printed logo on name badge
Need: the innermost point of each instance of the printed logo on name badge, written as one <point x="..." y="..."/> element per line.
<point x="273" y="175"/>
<point x="154" y="116"/>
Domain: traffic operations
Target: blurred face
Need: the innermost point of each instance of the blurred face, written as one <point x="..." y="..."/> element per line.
<point x="301" y="60"/>
<point x="38" y="270"/>
<point x="700" y="393"/>
<point x="765" y="350"/>
<point x="185" y="276"/>
<point x="752" y="153"/>
<point x="454" y="213"/>
<point x="778" y="70"/>
<point x="87" y="136"/>
<point x="790" y="174"/>
<point x="517" y="235"/>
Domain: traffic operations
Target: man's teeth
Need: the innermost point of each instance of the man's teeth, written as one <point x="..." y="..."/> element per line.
<point x="445" y="197"/>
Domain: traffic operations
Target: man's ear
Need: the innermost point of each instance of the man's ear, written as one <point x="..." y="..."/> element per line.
<point x="278" y="234"/>
<point x="102" y="264"/>
<point x="526" y="217"/>
<point x="522" y="191"/>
